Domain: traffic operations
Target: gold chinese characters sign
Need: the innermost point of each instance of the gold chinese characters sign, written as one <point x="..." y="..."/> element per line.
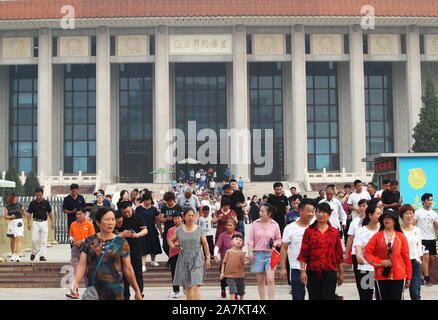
<point x="201" y="44"/>
<point x="17" y="48"/>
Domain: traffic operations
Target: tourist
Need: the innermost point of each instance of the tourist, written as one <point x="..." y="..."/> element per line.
<point x="151" y="241"/>
<point x="254" y="209"/>
<point x="205" y="222"/>
<point x="189" y="273"/>
<point x="391" y="198"/>
<point x="237" y="204"/>
<point x="106" y="276"/>
<point x="71" y="203"/>
<point x="212" y="187"/>
<point x="39" y="211"/>
<point x="124" y="197"/>
<point x="174" y="252"/>
<point x="99" y="204"/>
<point x="221" y="216"/>
<point x="385" y="186"/>
<point x="166" y="216"/>
<point x="427" y="221"/>
<point x="80" y="230"/>
<point x="240" y="184"/>
<point x="189" y="201"/>
<point x="388" y="252"/>
<point x="320" y="196"/>
<point x="135" y="198"/>
<point x="321" y="257"/>
<point x="133" y="228"/>
<point x="223" y="243"/>
<point x="14" y="211"/>
<point x="372" y="190"/>
<point x="293" y="192"/>
<point x="227" y="174"/>
<point x="264" y="236"/>
<point x="370" y="226"/>
<point x="233" y="268"/>
<point x="338" y="218"/>
<point x="291" y="247"/>
<point x="109" y="198"/>
<point x="355" y="197"/>
<point x="279" y="201"/>
<point x="413" y="235"/>
<point x="293" y="214"/>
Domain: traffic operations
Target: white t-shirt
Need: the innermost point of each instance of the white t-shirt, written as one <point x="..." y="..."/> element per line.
<point x="379" y="194"/>
<point x="212" y="184"/>
<point x="205" y="224"/>
<point x="352" y="230"/>
<point x="425" y="222"/>
<point x="363" y="235"/>
<point x="354" y="198"/>
<point x="414" y="241"/>
<point x="293" y="234"/>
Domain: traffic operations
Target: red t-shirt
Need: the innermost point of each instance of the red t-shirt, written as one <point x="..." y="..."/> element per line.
<point x="170" y="233"/>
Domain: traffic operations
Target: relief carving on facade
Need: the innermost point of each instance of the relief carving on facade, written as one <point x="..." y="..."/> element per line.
<point x="431" y="43"/>
<point x="74" y="47"/>
<point x="17" y="48"/>
<point x="384" y="44"/>
<point x="327" y="44"/>
<point x="268" y="44"/>
<point x="132" y="45"/>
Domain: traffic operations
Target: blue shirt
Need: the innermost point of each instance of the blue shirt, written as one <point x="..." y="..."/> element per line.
<point x="292" y="216"/>
<point x="240" y="183"/>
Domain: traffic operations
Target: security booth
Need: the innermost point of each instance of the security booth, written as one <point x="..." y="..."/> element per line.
<point x="416" y="173"/>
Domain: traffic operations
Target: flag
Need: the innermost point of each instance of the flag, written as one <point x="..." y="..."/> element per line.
<point x="275" y="258"/>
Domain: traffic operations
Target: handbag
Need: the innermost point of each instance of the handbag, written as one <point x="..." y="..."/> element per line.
<point x="91" y="292"/>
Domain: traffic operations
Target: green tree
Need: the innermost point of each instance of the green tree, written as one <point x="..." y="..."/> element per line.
<point x="31" y="184"/>
<point x="12" y="175"/>
<point x="426" y="130"/>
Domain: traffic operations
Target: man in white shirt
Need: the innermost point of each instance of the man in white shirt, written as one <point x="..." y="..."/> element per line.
<point x="427" y="222"/>
<point x="355" y="197"/>
<point x="338" y="218"/>
<point x="291" y="247"/>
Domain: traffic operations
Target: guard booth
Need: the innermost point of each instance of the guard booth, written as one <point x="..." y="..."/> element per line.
<point x="417" y="173"/>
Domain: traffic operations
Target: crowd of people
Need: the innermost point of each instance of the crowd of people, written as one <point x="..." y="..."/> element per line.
<point x="388" y="243"/>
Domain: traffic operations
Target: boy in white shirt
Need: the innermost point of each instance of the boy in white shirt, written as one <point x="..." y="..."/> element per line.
<point x="206" y="225"/>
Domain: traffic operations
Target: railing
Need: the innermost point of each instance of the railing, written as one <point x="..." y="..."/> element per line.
<point x="59" y="235"/>
<point x="62" y="179"/>
<point x="342" y="176"/>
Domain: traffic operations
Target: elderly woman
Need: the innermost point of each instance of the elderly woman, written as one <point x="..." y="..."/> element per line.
<point x="106" y="276"/>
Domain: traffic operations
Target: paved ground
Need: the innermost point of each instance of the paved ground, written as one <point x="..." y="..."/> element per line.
<point x="208" y="293"/>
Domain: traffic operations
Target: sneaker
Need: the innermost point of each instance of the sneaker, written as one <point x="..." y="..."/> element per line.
<point x="13" y="258"/>
<point x="43" y="259"/>
<point x="178" y="295"/>
<point x="223" y="294"/>
<point x="143" y="269"/>
<point x="155" y="264"/>
<point x="17" y="258"/>
<point x="32" y="257"/>
<point x="172" y="295"/>
<point x="338" y="297"/>
<point x="428" y="284"/>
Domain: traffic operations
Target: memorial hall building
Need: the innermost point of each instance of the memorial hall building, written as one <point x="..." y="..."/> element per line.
<point x="94" y="88"/>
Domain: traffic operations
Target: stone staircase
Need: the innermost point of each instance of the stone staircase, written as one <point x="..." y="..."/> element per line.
<point x="49" y="275"/>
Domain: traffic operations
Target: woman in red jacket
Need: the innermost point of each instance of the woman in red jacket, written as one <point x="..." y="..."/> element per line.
<point x="388" y="252"/>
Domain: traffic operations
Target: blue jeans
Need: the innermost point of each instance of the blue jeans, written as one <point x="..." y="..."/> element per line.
<point x="298" y="289"/>
<point x="414" y="288"/>
<point x="241" y="228"/>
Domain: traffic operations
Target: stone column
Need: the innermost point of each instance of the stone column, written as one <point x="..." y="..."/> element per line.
<point x="103" y="105"/>
<point x="241" y="147"/>
<point x="413" y="78"/>
<point x="58" y="119"/>
<point x="344" y="116"/>
<point x="357" y="96"/>
<point x="45" y="104"/>
<point x="4" y="119"/>
<point x="299" y="103"/>
<point x="162" y="111"/>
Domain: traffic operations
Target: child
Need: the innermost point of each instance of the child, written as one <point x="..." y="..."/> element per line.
<point x="233" y="268"/>
<point x="206" y="224"/>
<point x="174" y="253"/>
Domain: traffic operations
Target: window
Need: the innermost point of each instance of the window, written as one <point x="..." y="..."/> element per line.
<point x="80" y="118"/>
<point x="322" y="116"/>
<point x="201" y="96"/>
<point x="23" y="117"/>
<point x="266" y="112"/>
<point x="379" y="120"/>
<point x="136" y="144"/>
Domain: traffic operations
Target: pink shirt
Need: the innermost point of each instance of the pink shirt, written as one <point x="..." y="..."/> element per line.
<point x="261" y="233"/>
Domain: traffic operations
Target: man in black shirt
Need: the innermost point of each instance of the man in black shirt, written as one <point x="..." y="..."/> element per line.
<point x="237" y="203"/>
<point x="71" y="203"/>
<point x="391" y="198"/>
<point x="279" y="201"/>
<point x="166" y="216"/>
<point x="133" y="228"/>
<point x="39" y="210"/>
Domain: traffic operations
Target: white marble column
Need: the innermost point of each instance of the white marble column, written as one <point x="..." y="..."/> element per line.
<point x="45" y="104"/>
<point x="413" y="77"/>
<point x="299" y="103"/>
<point x="4" y="118"/>
<point x="240" y="148"/>
<point x="162" y="111"/>
<point x="103" y="105"/>
<point x="357" y="96"/>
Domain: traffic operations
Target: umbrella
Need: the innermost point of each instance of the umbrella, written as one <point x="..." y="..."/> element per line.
<point x="7" y="184"/>
<point x="162" y="171"/>
<point x="189" y="161"/>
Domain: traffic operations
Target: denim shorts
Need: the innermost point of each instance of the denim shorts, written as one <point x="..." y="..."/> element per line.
<point x="261" y="262"/>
